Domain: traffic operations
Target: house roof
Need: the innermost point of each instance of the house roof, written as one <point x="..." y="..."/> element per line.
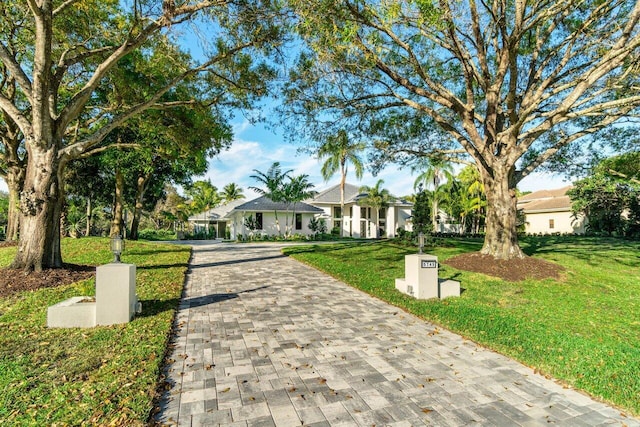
<point x="562" y="203"/>
<point x="218" y="212"/>
<point x="352" y="194"/>
<point x="332" y="194"/>
<point x="546" y="201"/>
<point x="264" y="203"/>
<point x="545" y="194"/>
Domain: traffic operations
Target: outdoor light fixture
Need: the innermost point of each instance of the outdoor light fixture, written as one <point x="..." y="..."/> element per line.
<point x="117" y="247"/>
<point x="420" y="242"/>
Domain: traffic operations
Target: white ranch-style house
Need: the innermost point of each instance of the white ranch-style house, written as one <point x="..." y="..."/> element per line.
<point x="549" y="212"/>
<point x="360" y="221"/>
<point x="264" y="211"/>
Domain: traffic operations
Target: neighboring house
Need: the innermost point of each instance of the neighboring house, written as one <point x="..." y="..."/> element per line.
<point x="263" y="210"/>
<point x="447" y="223"/>
<point x="214" y="219"/>
<point x="361" y="221"/>
<point x="549" y="212"/>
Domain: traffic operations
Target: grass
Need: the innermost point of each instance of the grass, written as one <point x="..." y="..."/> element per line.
<point x="97" y="376"/>
<point x="583" y="329"/>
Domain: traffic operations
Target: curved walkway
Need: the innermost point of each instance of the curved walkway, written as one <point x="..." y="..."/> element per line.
<point x="263" y="340"/>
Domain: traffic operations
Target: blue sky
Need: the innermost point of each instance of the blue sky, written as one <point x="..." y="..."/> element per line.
<point x="256" y="148"/>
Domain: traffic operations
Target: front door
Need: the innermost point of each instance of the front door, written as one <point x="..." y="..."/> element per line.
<point x="363" y="228"/>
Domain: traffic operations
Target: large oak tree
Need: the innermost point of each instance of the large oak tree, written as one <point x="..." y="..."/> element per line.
<point x="56" y="61"/>
<point x="511" y="82"/>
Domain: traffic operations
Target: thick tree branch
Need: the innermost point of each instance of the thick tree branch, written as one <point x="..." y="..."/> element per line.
<point x="16" y="115"/>
<point x="14" y="68"/>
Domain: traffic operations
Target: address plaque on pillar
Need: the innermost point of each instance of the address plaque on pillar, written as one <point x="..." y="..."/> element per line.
<point x="429" y="264"/>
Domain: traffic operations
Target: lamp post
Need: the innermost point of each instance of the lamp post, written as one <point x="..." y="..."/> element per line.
<point x="117" y="247"/>
<point x="420" y="242"/>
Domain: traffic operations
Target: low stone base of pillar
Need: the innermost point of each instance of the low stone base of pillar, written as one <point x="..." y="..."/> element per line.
<point x="75" y="312"/>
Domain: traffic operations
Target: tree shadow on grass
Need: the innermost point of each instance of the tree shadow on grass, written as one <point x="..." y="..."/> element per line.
<point x="162" y="266"/>
<point x="323" y="248"/>
<point x="153" y="307"/>
<point x="591" y="250"/>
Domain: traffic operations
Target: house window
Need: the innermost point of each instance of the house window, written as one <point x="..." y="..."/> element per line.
<point x="337" y="212"/>
<point x="259" y="220"/>
<point x="298" y="221"/>
<point x="383" y="213"/>
<point x="351" y="211"/>
<point x="551" y="224"/>
<point x="365" y="213"/>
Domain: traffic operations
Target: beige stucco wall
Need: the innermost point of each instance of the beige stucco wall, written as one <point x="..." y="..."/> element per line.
<point x="564" y="222"/>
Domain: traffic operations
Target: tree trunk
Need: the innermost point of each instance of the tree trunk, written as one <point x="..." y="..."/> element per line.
<point x="501" y="239"/>
<point x="40" y="209"/>
<point x="117" y="221"/>
<point x="87" y="231"/>
<point x="343" y="180"/>
<point x="63" y="222"/>
<point x="137" y="209"/>
<point x="15" y="182"/>
<point x="434" y="213"/>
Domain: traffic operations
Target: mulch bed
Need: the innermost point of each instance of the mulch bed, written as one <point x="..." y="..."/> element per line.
<point x="513" y="270"/>
<point x="12" y="281"/>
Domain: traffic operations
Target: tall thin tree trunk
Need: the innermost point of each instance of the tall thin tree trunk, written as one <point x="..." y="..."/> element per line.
<point x="87" y="230"/>
<point x="434" y="213"/>
<point x="275" y="213"/>
<point x="117" y="221"/>
<point x="137" y="209"/>
<point x="343" y="180"/>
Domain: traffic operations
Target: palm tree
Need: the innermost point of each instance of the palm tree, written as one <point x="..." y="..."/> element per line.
<point x="203" y="195"/>
<point x="274" y="181"/>
<point x="376" y="198"/>
<point x="231" y="192"/>
<point x="469" y="204"/>
<point x="475" y="200"/>
<point x="339" y="152"/>
<point x="296" y="190"/>
<point x="435" y="174"/>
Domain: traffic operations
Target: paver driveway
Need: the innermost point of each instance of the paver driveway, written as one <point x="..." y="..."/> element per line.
<point x="264" y="340"/>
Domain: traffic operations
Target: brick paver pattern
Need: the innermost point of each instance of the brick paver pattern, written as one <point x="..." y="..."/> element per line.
<point x="263" y="340"/>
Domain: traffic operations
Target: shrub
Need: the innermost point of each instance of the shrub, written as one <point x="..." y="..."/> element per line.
<point x="151" y="234"/>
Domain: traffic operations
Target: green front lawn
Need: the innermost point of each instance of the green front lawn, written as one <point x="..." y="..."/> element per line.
<point x="583" y="329"/>
<point x="97" y="376"/>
